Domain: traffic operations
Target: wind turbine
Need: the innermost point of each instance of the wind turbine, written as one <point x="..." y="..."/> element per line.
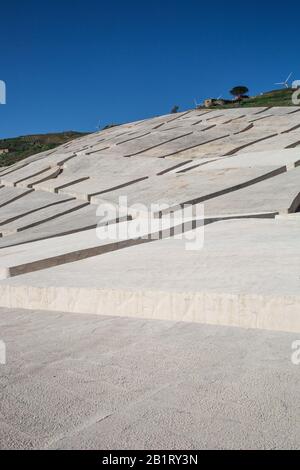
<point x="286" y="83"/>
<point x="197" y="105"/>
<point x="98" y="126"/>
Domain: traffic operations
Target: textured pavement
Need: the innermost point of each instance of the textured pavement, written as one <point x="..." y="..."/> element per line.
<point x="89" y="382"/>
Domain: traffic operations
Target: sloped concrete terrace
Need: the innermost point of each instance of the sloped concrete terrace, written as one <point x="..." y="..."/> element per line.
<point x="242" y="165"/>
<point x="180" y="337"/>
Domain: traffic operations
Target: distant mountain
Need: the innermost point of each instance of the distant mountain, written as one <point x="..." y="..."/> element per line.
<point x="15" y="149"/>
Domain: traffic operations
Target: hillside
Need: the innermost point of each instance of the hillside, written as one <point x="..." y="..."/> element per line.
<point x="237" y="170"/>
<point x="25" y="146"/>
<point x="274" y="98"/>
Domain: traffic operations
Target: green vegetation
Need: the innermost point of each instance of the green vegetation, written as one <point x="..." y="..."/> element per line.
<point x="25" y="146"/>
<point x="239" y="91"/>
<point x="273" y="98"/>
<point x="175" y="109"/>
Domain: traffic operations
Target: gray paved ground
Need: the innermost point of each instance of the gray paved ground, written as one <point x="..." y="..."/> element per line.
<point x="90" y="382"/>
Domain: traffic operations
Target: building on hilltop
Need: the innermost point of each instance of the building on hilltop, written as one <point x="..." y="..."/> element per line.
<point x="209" y="103"/>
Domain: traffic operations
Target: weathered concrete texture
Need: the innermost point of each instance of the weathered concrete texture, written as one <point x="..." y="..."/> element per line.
<point x="241" y="163"/>
<point x="268" y="158"/>
<point x="40" y="177"/>
<point x="158" y="377"/>
<point x="8" y="195"/>
<point x="40" y="217"/>
<point x="280" y="141"/>
<point x="187" y="142"/>
<point x="151" y="141"/>
<point x="173" y="189"/>
<point x="83" y="219"/>
<point x="90" y="382"/>
<point x="35" y="169"/>
<point x="54" y="185"/>
<point x="159" y="133"/>
<point x="49" y="252"/>
<point x="212" y="138"/>
<point x="291" y="217"/>
<point x="86" y="189"/>
<point x="32" y="201"/>
<point x="113" y="165"/>
<point x="289" y="158"/>
<point x="162" y="280"/>
<point x="281" y="194"/>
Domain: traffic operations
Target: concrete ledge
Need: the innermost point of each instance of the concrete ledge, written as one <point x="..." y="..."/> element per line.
<point x="246" y="311"/>
<point x="13" y="194"/>
<point x="289" y="217"/>
<point x="41" y="217"/>
<point x="31" y="176"/>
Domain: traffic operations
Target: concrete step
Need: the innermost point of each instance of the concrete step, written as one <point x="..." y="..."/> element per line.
<point x="289" y="217"/>
<point x="223" y="283"/>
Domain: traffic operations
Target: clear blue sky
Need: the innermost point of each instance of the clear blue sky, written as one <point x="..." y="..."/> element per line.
<point x="71" y="63"/>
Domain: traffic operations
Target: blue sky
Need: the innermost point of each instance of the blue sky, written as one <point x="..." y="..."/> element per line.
<point x="71" y="63"/>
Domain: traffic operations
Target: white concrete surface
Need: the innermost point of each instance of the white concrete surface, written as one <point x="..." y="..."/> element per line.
<point x="49" y="252"/>
<point x="90" y="382"/>
<point x="279" y="194"/>
<point x="9" y="194"/>
<point x="40" y="217"/>
<point x="33" y="201"/>
<point x="162" y="280"/>
<point x="239" y="163"/>
<point x="200" y="184"/>
<point x="159" y="346"/>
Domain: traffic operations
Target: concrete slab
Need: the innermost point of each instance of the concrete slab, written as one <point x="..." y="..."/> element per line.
<point x="151" y="141"/>
<point x="94" y="186"/>
<point x="62" y="182"/>
<point x="205" y="386"/>
<point x="46" y="253"/>
<point x="273" y="118"/>
<point x="289" y="158"/>
<point x="85" y="219"/>
<point x="164" y="280"/>
<point x="34" y="219"/>
<point x="114" y="166"/>
<point x="279" y="142"/>
<point x="279" y="194"/>
<point x="242" y="175"/>
<point x="187" y="143"/>
<point x="44" y="176"/>
<point x="86" y="386"/>
<point x="190" y="187"/>
<point x="9" y="195"/>
<point x="51" y="252"/>
<point x="221" y="144"/>
<point x="290" y="217"/>
<point x="34" y="169"/>
<point x="30" y="202"/>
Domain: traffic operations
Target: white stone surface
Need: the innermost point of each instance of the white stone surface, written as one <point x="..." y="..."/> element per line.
<point x="9" y="195"/>
<point x="32" y="201"/>
<point x="173" y="372"/>
<point x="162" y="280"/>
<point x="90" y="382"/>
<point x="239" y="163"/>
<point x="42" y="216"/>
